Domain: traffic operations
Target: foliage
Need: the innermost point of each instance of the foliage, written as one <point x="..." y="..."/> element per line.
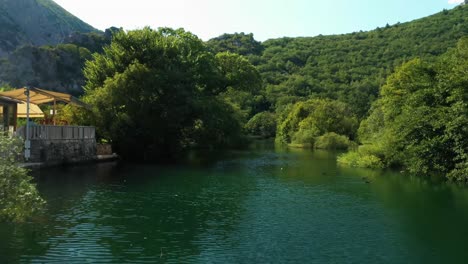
<point x="240" y="43"/>
<point x="6" y="87"/>
<point x="420" y="120"/>
<point x="313" y="118"/>
<point x="92" y="41"/>
<point x="19" y="198"/>
<point x="304" y="138"/>
<point x="242" y="83"/>
<point x="360" y="160"/>
<point x="349" y="67"/>
<point x="238" y="72"/>
<point x="155" y="93"/>
<point x="218" y="124"/>
<point x="333" y="141"/>
<point x="262" y="124"/>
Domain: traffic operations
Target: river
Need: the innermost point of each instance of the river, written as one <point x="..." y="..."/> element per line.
<point x="262" y="205"/>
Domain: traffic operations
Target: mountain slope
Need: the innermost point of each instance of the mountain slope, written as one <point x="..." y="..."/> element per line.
<point x="35" y="22"/>
<point x="352" y="67"/>
<point x="348" y="67"/>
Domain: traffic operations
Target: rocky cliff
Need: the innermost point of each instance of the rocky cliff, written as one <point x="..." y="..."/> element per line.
<point x="42" y="44"/>
<point x="35" y="22"/>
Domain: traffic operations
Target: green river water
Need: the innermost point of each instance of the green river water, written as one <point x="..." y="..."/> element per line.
<point x="262" y="205"/>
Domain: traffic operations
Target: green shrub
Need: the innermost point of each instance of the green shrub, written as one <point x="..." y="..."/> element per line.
<point x="315" y="117"/>
<point x="333" y="141"/>
<point x="262" y="124"/>
<point x="19" y="198"/>
<point x="304" y="138"/>
<point x="360" y="160"/>
<point x="460" y="173"/>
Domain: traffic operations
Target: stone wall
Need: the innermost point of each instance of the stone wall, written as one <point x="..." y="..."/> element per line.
<point x="63" y="151"/>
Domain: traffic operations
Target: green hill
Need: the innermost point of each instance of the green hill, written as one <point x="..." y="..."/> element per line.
<point x="349" y="67"/>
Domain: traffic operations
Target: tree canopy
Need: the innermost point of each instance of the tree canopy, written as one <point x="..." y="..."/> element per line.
<point x="420" y="120"/>
<point x="155" y="92"/>
<point x="240" y="43"/>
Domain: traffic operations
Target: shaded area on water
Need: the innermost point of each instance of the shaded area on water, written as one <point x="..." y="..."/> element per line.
<point x="261" y="205"/>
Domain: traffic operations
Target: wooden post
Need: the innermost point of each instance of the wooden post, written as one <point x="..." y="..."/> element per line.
<point x="15" y="116"/>
<point x="27" y="142"/>
<point x="5" y="118"/>
<point x="55" y="109"/>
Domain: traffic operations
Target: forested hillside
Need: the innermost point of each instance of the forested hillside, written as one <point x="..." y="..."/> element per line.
<point x="349" y="67"/>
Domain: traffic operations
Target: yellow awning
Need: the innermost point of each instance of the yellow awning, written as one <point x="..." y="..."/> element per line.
<point x="34" y="111"/>
<point x="39" y="96"/>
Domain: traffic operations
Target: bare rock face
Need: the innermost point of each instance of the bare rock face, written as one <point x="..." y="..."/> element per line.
<point x="35" y="22"/>
<point x="53" y="68"/>
<point x="37" y="45"/>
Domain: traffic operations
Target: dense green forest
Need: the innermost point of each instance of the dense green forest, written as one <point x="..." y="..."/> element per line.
<point x="350" y="67"/>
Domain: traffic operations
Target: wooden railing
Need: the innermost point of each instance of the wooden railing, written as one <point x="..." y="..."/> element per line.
<point x="57" y="132"/>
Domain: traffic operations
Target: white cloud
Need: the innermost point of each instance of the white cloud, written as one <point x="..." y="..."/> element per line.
<point x="454" y="2"/>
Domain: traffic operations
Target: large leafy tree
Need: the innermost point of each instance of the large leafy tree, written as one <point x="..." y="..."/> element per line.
<point x="420" y="120"/>
<point x="155" y="92"/>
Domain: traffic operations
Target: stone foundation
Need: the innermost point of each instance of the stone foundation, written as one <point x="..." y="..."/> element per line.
<point x="63" y="151"/>
<point x="104" y="149"/>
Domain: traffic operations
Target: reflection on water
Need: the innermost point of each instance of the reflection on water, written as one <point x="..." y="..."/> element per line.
<point x="263" y="205"/>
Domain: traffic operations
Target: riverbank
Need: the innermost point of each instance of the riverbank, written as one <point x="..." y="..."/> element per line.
<point x="43" y="165"/>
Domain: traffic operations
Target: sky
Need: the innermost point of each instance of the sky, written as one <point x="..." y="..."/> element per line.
<point x="266" y="19"/>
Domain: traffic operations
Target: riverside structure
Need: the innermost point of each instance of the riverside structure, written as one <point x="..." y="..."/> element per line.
<point x="48" y="144"/>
